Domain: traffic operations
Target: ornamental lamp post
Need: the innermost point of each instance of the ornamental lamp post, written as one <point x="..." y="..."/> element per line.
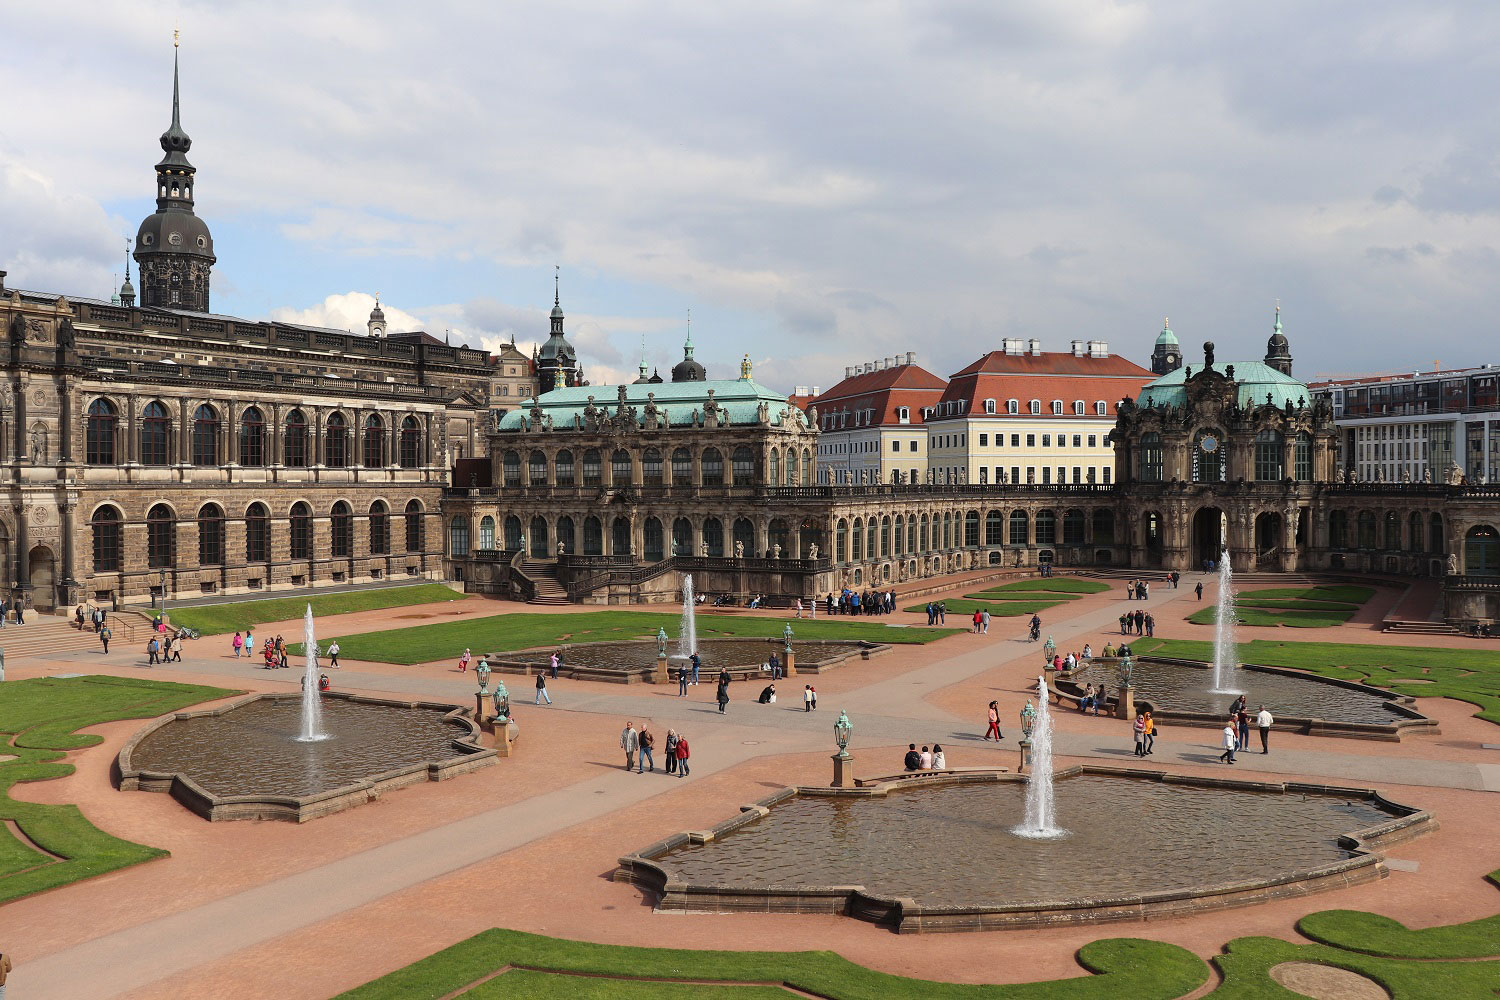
<point x="1049" y="650"/>
<point x="482" y="674"/>
<point x="841" y="731"/>
<point x="843" y="761"/>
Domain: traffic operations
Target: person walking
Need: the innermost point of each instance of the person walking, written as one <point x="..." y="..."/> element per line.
<point x="814" y="693"/>
<point x="463" y="661"/>
<point x="1229" y="743"/>
<point x="994" y="722"/>
<point x="807" y="697"/>
<point x="1140" y="735"/>
<point x="722" y="695"/>
<point x="696" y="664"/>
<point x="648" y="744"/>
<point x="976" y="621"/>
<point x="1263" y="722"/>
<point x="177" y="644"/>
<point x="682" y="681"/>
<point x="541" y="692"/>
<point x="104" y="636"/>
<point x="249" y="642"/>
<point x="683" y="753"/>
<point x="1242" y="718"/>
<point x="152" y="648"/>
<point x="1150" y="625"/>
<point x="629" y="742"/>
<point x="669" y="752"/>
<point x="1150" y="734"/>
<point x="238" y="644"/>
<point x="333" y="654"/>
<point x="552" y="664"/>
<point x="1199" y="590"/>
<point x="984" y="621"/>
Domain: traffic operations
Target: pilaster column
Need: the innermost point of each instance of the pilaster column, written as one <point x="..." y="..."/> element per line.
<point x="23" y="548"/>
<point x="22" y="453"/>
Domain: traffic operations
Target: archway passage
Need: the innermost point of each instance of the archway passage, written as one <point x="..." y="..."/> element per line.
<point x="1268" y="535"/>
<point x="1481" y="552"/>
<point x="1208" y="536"/>
<point x="41" y="564"/>
<point x="1152" y="527"/>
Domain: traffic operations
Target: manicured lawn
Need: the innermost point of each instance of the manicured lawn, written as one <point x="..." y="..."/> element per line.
<point x="527" y="630"/>
<point x="568" y="970"/>
<point x="1373" y="934"/>
<point x="38" y="718"/>
<point x="1339" y="594"/>
<point x="222" y="619"/>
<point x="1471" y="675"/>
<point x="1291" y="604"/>
<point x="1247" y="961"/>
<point x="1273" y="617"/>
<point x="1295" y="607"/>
<point x="1023" y="595"/>
<point x="1057" y="584"/>
<point x="997" y="609"/>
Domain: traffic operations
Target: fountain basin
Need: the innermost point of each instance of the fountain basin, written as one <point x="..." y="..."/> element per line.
<point x="1141" y="844"/>
<point x="242" y="761"/>
<point x="631" y="662"/>
<point x="1176" y="691"/>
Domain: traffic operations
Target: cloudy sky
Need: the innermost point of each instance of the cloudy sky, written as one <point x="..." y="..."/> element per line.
<point x="820" y="184"/>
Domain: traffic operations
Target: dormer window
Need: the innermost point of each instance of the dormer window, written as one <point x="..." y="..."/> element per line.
<point x="1078" y="407"/>
<point x="903" y="414"/>
<point x="1012" y="406"/>
<point x="989" y="406"/>
<point x="1057" y="408"/>
<point x="1101" y="407"/>
<point x="1036" y="406"/>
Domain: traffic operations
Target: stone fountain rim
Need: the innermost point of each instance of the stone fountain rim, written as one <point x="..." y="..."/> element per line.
<point x="643" y="870"/>
<point x="469" y="755"/>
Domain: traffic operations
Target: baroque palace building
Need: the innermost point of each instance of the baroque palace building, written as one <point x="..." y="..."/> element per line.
<point x="155" y="446"/>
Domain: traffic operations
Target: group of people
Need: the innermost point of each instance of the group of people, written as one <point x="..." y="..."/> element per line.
<point x="1072" y="661"/>
<point x="96" y="617"/>
<point x="1237" y="730"/>
<point x="937" y="612"/>
<point x="9" y="605"/>
<point x="868" y="602"/>
<point x="161" y="648"/>
<point x="925" y="759"/>
<point x="1137" y="590"/>
<point x="642" y="742"/>
<point x="1137" y="622"/>
<point x="1145" y="734"/>
<point x="1093" y="698"/>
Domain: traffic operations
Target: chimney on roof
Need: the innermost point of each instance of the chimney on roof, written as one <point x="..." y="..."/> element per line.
<point x="1098" y="348"/>
<point x="848" y="371"/>
<point x="1034" y="347"/>
<point x="911" y="357"/>
<point x="1012" y="345"/>
<point x="817" y="391"/>
<point x="801" y="390"/>
<point x="2" y="281"/>
<point x="1077" y="348"/>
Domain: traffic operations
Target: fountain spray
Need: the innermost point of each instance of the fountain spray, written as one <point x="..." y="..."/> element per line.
<point x="312" y="704"/>
<point x="687" y="636"/>
<point x="1041" y="821"/>
<point x="1225" y="616"/>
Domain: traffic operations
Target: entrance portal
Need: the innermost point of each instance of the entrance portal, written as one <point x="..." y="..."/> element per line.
<point x="1209" y="536"/>
<point x="43" y="578"/>
<point x="1268" y="534"/>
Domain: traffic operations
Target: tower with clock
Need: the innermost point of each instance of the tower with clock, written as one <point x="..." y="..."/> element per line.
<point x="1168" y="354"/>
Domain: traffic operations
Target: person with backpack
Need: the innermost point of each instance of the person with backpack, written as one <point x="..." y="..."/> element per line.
<point x="238" y="644"/>
<point x="152" y="648"/>
<point x="104" y="636"/>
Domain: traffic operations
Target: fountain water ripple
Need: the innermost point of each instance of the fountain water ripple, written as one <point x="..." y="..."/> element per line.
<point x="1225" y="654"/>
<point x="312" y="701"/>
<point x="1040" y="821"/>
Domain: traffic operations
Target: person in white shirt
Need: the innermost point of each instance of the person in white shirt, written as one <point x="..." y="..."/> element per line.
<point x="939" y="763"/>
<point x="1264" y="722"/>
<point x="1230" y="741"/>
<point x="333" y="655"/>
<point x="926" y="759"/>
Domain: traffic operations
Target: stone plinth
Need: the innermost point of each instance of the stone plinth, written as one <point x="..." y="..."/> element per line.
<point x="662" y="675"/>
<point x="843" y="771"/>
<point x="1125" y="703"/>
<point x="790" y="665"/>
<point x="1025" y="756"/>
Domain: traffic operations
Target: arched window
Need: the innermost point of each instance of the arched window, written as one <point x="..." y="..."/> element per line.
<point x="971" y="528"/>
<point x="301" y="531"/>
<point x="99" y="448"/>
<point x="512" y="533"/>
<point x="1435" y="540"/>
<point x="161" y="537"/>
<point x="380" y="528"/>
<point x="541" y="544"/>
<point x="994" y="528"/>
<point x="742" y="466"/>
<point x="1073" y="527"/>
<point x="841" y="541"/>
<point x="744" y="534"/>
<point x="775" y="467"/>
<point x="374" y="442"/>
<point x="1302" y="458"/>
<point x="411" y="443"/>
<point x="989" y="406"/>
<point x="651" y="467"/>
<point x="1046" y="527"/>
<point x="1151" y="457"/>
<point x="1366" y="529"/>
<point x="414" y="532"/>
<point x="563" y="467"/>
<point x="1392" y="531"/>
<point x="911" y="533"/>
<point x="1104" y="527"/>
<point x="458" y="536"/>
<point x="621" y="467"/>
<point x="713" y="467"/>
<point x="336" y="441"/>
<point x="341" y="530"/>
<point x="1036" y="406"/>
<point x="682" y="467"/>
<point x="536" y="467"/>
<point x="653" y="540"/>
<point x="1338" y="529"/>
<point x="211" y="535"/>
<point x="682" y="537"/>
<point x="1018" y="527"/>
<point x="925" y="539"/>
<point x="1057" y="407"/>
<point x="593" y="469"/>
<point x="155" y="430"/>
<point x="565" y="536"/>
<point x="898" y="536"/>
<point x="1414" y="532"/>
<point x="870" y="528"/>
<point x="295" y="445"/>
<point x="858" y="540"/>
<point x="1101" y="408"/>
<point x="1208" y="457"/>
<point x="510" y="468"/>
<point x="1482" y="551"/>
<point x="257" y="533"/>
<point x="593" y="537"/>
<point x="486" y="533"/>
<point x="1012" y="406"/>
<point x="713" y="536"/>
<point x="1269" y="467"/>
<point x="1078" y="407"/>
<point x="807" y="467"/>
<point x="619" y="537"/>
<point x="885" y="536"/>
<point x="107" y="539"/>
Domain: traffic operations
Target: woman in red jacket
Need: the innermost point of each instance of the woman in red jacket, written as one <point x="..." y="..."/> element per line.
<point x="682" y="756"/>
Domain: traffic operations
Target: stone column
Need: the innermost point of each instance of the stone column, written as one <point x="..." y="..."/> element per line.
<point x="315" y="428"/>
<point x="67" y="542"/>
<point x="23" y="547"/>
<point x="132" y="431"/>
<point x="184" y="432"/>
<point x="66" y="423"/>
<point x="22" y="453"/>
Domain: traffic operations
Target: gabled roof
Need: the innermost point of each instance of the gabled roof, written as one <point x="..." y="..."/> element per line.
<point x="1053" y="363"/>
<point x="1045" y="377"/>
<point x="885" y="392"/>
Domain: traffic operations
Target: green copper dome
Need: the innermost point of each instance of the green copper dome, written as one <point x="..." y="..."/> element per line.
<point x="1256" y="380"/>
<point x="1166" y="338"/>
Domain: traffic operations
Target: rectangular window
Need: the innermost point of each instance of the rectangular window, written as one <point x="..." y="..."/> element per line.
<point x="984" y="440"/>
<point x="1093" y="441"/>
<point x="1106" y="475"/>
<point x="895" y="446"/>
<point x="913" y="445"/>
<point x="1031" y="440"/>
<point x="1077" y="474"/>
<point x="1078" y="440"/>
<point x="1046" y="440"/>
<point x="1046" y="476"/>
<point x="1015" y="440"/>
<point x="1015" y="473"/>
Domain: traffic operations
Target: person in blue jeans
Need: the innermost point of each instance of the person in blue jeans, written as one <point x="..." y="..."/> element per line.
<point x="696" y="664"/>
<point x="647" y="758"/>
<point x="682" y="682"/>
<point x="541" y="689"/>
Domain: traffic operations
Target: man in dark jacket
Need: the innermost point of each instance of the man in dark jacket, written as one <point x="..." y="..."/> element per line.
<point x="913" y="758"/>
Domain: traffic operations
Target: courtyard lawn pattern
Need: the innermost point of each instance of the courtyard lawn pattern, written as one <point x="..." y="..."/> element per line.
<point x="222" y="619"/>
<point x="1141" y="970"/>
<point x="39" y="717"/>
<point x="997" y="609"/>
<point x="530" y="630"/>
<point x="1376" y="935"/>
<point x="1294" y="607"/>
<point x="1471" y="675"/>
<point x="1053" y="584"/>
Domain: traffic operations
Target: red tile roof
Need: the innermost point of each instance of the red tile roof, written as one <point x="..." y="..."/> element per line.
<point x="1044" y="377"/>
<point x="1054" y="363"/>
<point x="884" y="391"/>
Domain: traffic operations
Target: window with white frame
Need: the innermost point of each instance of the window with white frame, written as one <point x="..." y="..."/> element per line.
<point x="1078" y="407"/>
<point x="989" y="406"/>
<point x="1101" y="407"/>
<point x="1057" y="407"/>
<point x="1036" y="406"/>
<point x="1012" y="406"/>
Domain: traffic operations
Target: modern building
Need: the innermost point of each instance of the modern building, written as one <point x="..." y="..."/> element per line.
<point x="1027" y="416"/>
<point x="1438" y="426"/>
<point x="871" y="423"/>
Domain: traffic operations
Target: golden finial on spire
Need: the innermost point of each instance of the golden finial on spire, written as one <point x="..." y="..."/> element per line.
<point x="1166" y="322"/>
<point x="176" y="38"/>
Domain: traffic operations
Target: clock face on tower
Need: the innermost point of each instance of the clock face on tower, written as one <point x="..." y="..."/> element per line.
<point x="1171" y="359"/>
<point x="1209" y="444"/>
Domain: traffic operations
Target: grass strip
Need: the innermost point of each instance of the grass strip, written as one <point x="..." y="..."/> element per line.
<point x="529" y="630"/>
<point x="40" y="717"/>
<point x="1267" y="617"/>
<point x="1373" y="934"/>
<point x="1057" y="584"/>
<point x="997" y="609"/>
<point x="1121" y="967"/>
<point x="1246" y="964"/>
<point x="222" y="619"/>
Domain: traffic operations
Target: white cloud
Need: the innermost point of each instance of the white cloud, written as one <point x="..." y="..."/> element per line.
<point x="350" y="311"/>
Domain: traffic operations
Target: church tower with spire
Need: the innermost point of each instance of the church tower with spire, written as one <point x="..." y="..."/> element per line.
<point x="173" y="248"/>
<point x="1278" y="350"/>
<point x="556" y="362"/>
<point x="1167" y="357"/>
<point x="688" y="369"/>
